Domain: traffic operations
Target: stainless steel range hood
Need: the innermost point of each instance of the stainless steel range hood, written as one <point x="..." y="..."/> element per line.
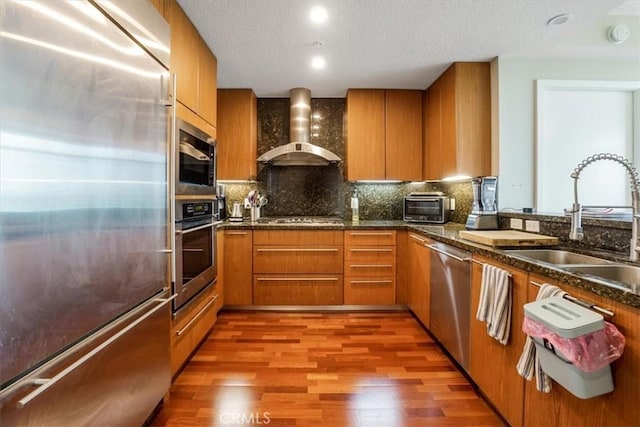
<point x="299" y="152"/>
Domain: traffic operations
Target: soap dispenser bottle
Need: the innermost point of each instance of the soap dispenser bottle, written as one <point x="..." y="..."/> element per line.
<point x="355" y="208"/>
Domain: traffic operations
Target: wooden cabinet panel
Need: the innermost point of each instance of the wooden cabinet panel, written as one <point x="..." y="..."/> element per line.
<point x="237" y="134"/>
<point x="370" y="267"/>
<point x="369" y="290"/>
<point x="618" y="408"/>
<point x="292" y="289"/>
<point x="365" y="134"/>
<point x="403" y="282"/>
<point x="192" y="326"/>
<point x="238" y="268"/>
<point x="297" y="259"/>
<point x="370" y="238"/>
<point x="403" y="135"/>
<point x="493" y="365"/>
<point x="185" y="46"/>
<point x="159" y="5"/>
<point x="384" y="134"/>
<point x="297" y="237"/>
<point x="189" y="116"/>
<point x="419" y="268"/>
<point x="207" y="85"/>
<point x="457" y="126"/>
<point x="432" y="128"/>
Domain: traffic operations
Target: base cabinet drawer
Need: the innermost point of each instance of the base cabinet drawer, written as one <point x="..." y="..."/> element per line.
<point x="291" y="289"/>
<point x="191" y="328"/>
<point x="370" y="290"/>
<point x="292" y="259"/>
<point x="370" y="238"/>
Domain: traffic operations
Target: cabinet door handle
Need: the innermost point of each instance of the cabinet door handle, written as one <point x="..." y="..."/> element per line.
<point x="297" y="250"/>
<point x="371" y="266"/>
<point x="297" y="279"/>
<point x="372" y="250"/>
<point x="369" y="282"/>
<point x="198" y="314"/>
<point x="236" y="233"/>
<point x="356" y="234"/>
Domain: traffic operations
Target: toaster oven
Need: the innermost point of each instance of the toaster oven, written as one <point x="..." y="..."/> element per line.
<point x="427" y="207"/>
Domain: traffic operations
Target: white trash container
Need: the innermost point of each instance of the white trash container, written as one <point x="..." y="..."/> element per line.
<point x="568" y="320"/>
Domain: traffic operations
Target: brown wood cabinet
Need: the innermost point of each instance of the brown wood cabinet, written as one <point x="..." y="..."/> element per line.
<point x="419" y="270"/>
<point x="491" y="364"/>
<point x="237" y="134"/>
<point x="403" y="283"/>
<point x="370" y="267"/>
<point x="297" y="267"/>
<point x="457" y="122"/>
<point x="618" y="408"/>
<point x="194" y="65"/>
<point x="238" y="256"/>
<point x="383" y="134"/>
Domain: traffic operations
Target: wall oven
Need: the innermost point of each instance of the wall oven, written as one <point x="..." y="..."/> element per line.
<point x="195" y="249"/>
<point x="195" y="160"/>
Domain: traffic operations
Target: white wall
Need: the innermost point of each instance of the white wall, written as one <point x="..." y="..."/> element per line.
<point x="516" y="116"/>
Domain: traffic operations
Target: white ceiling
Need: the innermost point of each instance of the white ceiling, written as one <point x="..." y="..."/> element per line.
<point x="267" y="45"/>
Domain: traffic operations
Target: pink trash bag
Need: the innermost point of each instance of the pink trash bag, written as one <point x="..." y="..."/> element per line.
<point x="588" y="352"/>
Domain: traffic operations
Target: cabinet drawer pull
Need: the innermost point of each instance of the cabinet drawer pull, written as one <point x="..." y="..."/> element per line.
<point x="414" y="237"/>
<point x="372" y="250"/>
<point x="369" y="282"/>
<point x="236" y="233"/>
<point x="371" y="234"/>
<point x="298" y="250"/>
<point x="297" y="279"/>
<point x="371" y="266"/>
<point x="198" y="314"/>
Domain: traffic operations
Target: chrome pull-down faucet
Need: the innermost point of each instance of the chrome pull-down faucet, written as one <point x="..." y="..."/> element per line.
<point x="576" y="211"/>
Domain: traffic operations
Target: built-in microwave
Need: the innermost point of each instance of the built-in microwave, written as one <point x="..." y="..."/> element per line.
<point x="431" y="207"/>
<point x="195" y="163"/>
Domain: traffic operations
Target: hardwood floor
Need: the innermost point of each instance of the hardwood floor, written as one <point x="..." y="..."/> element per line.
<point x="321" y="369"/>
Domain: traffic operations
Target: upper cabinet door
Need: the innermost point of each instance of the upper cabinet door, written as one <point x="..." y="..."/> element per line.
<point x="403" y="135"/>
<point x="208" y="84"/>
<point x="237" y="134"/>
<point x="458" y="122"/>
<point x="365" y="134"/>
<point x="185" y="56"/>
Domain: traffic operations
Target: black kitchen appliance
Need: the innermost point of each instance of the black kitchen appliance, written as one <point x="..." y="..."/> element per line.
<point x="222" y="202"/>
<point x="429" y="207"/>
<point x="195" y="161"/>
<point x="484" y="211"/>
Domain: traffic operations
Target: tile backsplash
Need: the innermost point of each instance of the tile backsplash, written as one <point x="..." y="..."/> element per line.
<point x="322" y="191"/>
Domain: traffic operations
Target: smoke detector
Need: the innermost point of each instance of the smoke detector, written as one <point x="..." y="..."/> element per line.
<point x="618" y="34"/>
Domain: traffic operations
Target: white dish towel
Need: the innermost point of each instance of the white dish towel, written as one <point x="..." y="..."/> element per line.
<point x="495" y="303"/>
<point x="529" y="363"/>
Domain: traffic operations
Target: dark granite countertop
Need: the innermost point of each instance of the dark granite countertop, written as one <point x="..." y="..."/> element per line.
<point x="448" y="233"/>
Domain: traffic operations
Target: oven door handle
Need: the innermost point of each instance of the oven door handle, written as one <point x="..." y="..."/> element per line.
<point x="201" y="227"/>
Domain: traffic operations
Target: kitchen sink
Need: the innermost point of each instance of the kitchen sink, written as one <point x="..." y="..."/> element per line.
<point x="557" y="257"/>
<point x="627" y="276"/>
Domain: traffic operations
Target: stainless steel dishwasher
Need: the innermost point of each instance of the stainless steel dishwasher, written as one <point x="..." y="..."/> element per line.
<point x="450" y="298"/>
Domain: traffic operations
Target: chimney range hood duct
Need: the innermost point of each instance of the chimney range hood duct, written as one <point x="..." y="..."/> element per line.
<point x="299" y="152"/>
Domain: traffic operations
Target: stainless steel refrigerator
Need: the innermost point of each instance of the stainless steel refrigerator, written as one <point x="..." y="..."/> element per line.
<point x="84" y="249"/>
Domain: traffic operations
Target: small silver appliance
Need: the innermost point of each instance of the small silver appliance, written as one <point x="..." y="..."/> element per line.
<point x="484" y="211"/>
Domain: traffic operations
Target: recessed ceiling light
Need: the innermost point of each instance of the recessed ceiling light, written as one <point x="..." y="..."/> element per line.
<point x="318" y="14"/>
<point x="318" y="62"/>
<point x="560" y="19"/>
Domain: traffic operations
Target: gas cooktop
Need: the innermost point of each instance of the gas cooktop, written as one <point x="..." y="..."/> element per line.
<point x="302" y="220"/>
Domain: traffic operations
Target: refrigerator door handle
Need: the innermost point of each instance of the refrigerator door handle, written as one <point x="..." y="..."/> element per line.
<point x="171" y="176"/>
<point x="49" y="382"/>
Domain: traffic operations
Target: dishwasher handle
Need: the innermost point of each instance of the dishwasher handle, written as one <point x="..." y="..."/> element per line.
<point x="448" y="254"/>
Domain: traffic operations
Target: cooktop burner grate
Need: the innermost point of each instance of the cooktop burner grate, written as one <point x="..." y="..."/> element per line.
<point x="302" y="220"/>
